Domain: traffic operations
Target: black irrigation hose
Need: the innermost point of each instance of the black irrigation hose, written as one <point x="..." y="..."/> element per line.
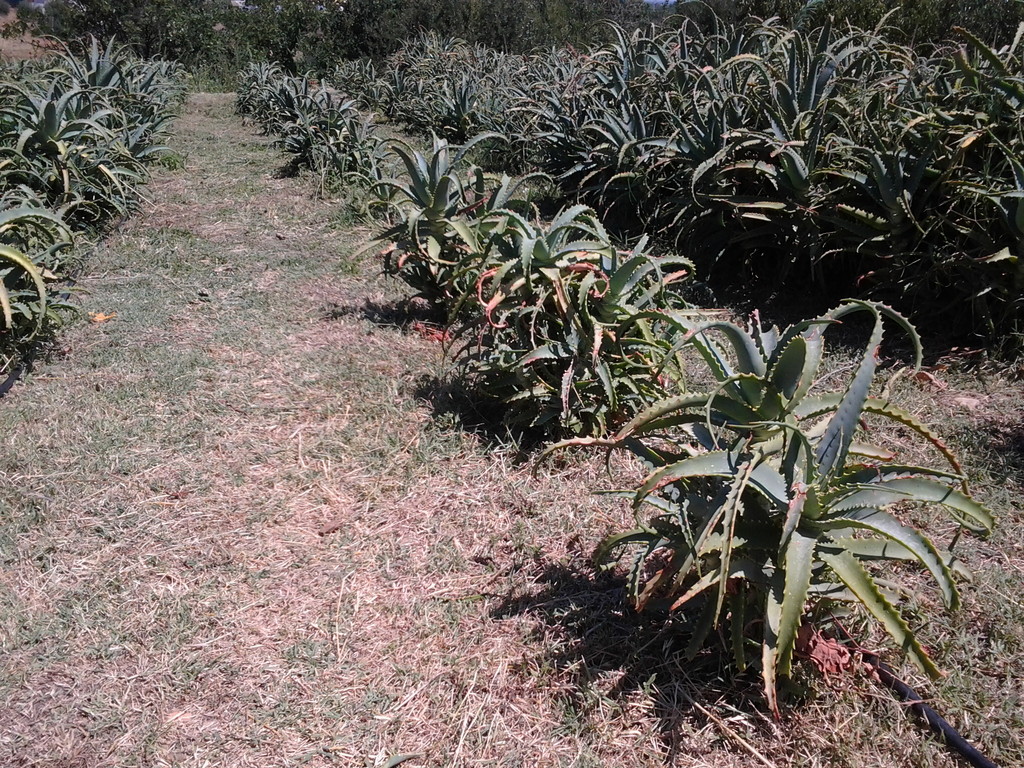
<point x="935" y="721"/>
<point x="12" y="379"/>
<point x="950" y="736"/>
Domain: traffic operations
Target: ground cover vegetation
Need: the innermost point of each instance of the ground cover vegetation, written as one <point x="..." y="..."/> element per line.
<point x="76" y="136"/>
<point x="760" y="492"/>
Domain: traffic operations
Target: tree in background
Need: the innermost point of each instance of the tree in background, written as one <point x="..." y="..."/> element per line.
<point x="927" y="22"/>
<point x="301" y="33"/>
<point x="170" y="28"/>
<point x="215" y="38"/>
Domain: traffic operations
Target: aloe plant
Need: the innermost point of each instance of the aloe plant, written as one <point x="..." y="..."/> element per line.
<point x="75" y="137"/>
<point x="321" y="130"/>
<point x="764" y="499"/>
<point x="761" y="152"/>
<point x="560" y="346"/>
<point x="441" y="237"/>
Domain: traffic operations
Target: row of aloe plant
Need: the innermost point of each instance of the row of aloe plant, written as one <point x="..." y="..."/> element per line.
<point x="536" y="306"/>
<point x="322" y="130"/>
<point x="445" y="87"/>
<point x="540" y="309"/>
<point x="763" y="499"/>
<point x="76" y="135"/>
<point x="770" y="156"/>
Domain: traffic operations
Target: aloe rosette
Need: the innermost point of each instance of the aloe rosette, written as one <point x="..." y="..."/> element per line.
<point x="763" y="498"/>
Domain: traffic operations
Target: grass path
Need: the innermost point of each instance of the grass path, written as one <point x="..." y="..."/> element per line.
<point x="168" y="597"/>
<point x="234" y="533"/>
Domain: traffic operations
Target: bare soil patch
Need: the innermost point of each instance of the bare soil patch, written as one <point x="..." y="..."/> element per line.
<point x="22" y="47"/>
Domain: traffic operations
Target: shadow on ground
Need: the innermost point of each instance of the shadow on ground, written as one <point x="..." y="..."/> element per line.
<point x="453" y="401"/>
<point x="593" y="635"/>
<point x="454" y="404"/>
<point x="399" y="313"/>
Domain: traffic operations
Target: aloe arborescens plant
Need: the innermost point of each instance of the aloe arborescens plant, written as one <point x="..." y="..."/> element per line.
<point x="761" y="498"/>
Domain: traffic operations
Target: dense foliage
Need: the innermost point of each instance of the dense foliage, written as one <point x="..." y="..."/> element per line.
<point x="547" y="313"/>
<point x="216" y="39"/>
<point x="76" y="134"/>
<point x="919" y="22"/>
<point x="322" y="130"/>
<point x="773" y="158"/>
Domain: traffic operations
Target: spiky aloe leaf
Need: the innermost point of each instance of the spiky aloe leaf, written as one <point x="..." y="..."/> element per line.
<point x="738" y="625"/>
<point x="798" y="564"/>
<point x="882" y="408"/>
<point x="835" y="442"/>
<point x="620" y="540"/>
<point x="860" y="474"/>
<point x="964" y="509"/>
<point x="748" y="355"/>
<point x="23" y="263"/>
<point x="794" y="370"/>
<point x="883" y="549"/>
<point x="786" y="597"/>
<point x="749" y="389"/>
<point x="774" y="599"/>
<point x="672" y="411"/>
<point x="650" y="544"/>
<point x="732" y="510"/>
<point x="704" y="583"/>
<point x="728" y="464"/>
<point x="859" y="582"/>
<point x="883" y="523"/>
<point x="819" y="405"/>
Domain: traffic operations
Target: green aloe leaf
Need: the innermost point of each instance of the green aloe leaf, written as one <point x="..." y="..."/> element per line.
<point x="774" y="599"/>
<point x="864" y="588"/>
<point x="835" y="442"/>
<point x="25" y="264"/>
<point x="886" y="525"/>
<point x="798" y="564"/>
<point x="965" y="510"/>
<point x="673" y="410"/>
<point x="748" y="355"/>
<point x="763" y="477"/>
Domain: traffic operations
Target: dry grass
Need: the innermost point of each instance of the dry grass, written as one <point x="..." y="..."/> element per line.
<point x="234" y="534"/>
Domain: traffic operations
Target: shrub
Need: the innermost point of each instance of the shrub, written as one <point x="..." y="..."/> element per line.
<point x="762" y="496"/>
<point x="561" y="345"/>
